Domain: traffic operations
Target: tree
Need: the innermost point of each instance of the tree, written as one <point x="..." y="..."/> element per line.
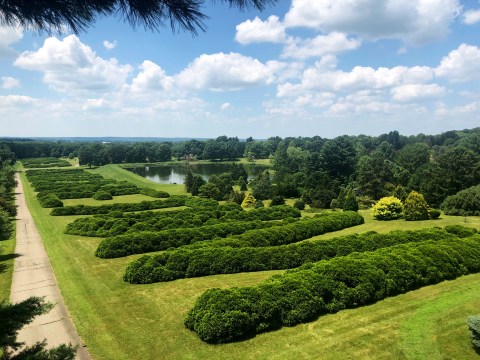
<point x="415" y="207"/>
<point x="210" y="191"/>
<point x="197" y="183"/>
<point x="188" y="180"/>
<point x="249" y="201"/>
<point x="350" y="203"/>
<point x="55" y="15"/>
<point x="13" y="317"/>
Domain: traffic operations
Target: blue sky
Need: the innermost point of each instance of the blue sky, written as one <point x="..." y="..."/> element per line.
<point x="301" y="68"/>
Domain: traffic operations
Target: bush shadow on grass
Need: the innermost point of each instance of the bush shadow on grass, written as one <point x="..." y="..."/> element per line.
<point x="4" y="258"/>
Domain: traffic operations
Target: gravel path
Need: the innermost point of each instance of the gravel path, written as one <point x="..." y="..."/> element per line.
<point x="33" y="276"/>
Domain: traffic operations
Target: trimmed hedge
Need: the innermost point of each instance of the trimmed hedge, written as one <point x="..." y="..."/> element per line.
<point x="45" y="162"/>
<point x="102" y="195"/>
<point x="303" y="294"/>
<point x="49" y="200"/>
<point x="173" y="201"/>
<point x="183" y="263"/>
<point x="474" y="327"/>
<point x="106" y="225"/>
<point x="154" y="193"/>
<point x="147" y="241"/>
<point x="291" y="233"/>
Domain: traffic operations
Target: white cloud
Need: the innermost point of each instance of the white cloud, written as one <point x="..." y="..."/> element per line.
<point x="417" y="92"/>
<point x="225" y="106"/>
<point x="9" y="82"/>
<point x="319" y="46"/>
<point x="151" y="78"/>
<point x="109" y="45"/>
<point x="224" y="72"/>
<point x="256" y="30"/>
<point x="70" y="66"/>
<point x="461" y="64"/>
<point x="415" y="22"/>
<point x="16" y="101"/>
<point x="471" y="17"/>
<point x="8" y="36"/>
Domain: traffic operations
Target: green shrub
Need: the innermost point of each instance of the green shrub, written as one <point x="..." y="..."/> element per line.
<point x="388" y="208"/>
<point x="474" y="327"/>
<point x="434" y="213"/>
<point x="49" y="200"/>
<point x="154" y="193"/>
<point x="299" y="204"/>
<point x="259" y="204"/>
<point x="185" y="262"/>
<point x="461" y="231"/>
<point x="102" y="195"/>
<point x="277" y="200"/>
<point x="415" y="207"/>
<point x="303" y="294"/>
<point x="463" y="203"/>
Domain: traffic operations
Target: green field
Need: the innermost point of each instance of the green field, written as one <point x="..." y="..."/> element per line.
<point x="122" y="321"/>
<point x="7" y="258"/>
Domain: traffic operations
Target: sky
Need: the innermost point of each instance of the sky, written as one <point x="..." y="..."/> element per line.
<point x="299" y="68"/>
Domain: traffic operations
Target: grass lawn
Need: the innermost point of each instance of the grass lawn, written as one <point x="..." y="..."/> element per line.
<point x="115" y="172"/>
<point x="122" y="321"/>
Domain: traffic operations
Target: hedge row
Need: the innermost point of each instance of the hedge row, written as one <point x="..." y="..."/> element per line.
<point x="148" y="241"/>
<point x="173" y="201"/>
<point x="154" y="193"/>
<point x="156" y="221"/>
<point x="303" y="294"/>
<point x="45" y="162"/>
<point x="49" y="200"/>
<point x="184" y="263"/>
<point x="291" y="233"/>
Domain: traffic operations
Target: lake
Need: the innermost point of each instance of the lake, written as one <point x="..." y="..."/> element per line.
<point x="174" y="174"/>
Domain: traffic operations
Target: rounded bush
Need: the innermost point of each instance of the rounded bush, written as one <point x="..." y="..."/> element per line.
<point x="388" y="208"/>
<point x="434" y="213"/>
<point x="300" y="204"/>
<point x="102" y="195"/>
<point x="277" y="200"/>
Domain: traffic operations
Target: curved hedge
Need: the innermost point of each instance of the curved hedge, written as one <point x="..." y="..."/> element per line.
<point x="147" y="241"/>
<point x="303" y="294"/>
<point x="105" y="225"/>
<point x="102" y="195"/>
<point x="183" y="263"/>
<point x="291" y="233"/>
<point x="173" y="201"/>
<point x="154" y="193"/>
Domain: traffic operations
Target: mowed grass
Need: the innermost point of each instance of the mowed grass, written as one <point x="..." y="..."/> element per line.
<point x="122" y="321"/>
<point x="117" y="173"/>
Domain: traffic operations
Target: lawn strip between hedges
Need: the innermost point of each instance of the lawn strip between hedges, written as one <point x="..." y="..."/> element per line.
<point x="303" y="294"/>
<point x="183" y="263"/>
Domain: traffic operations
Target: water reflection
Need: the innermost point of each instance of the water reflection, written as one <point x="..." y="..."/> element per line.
<point x="174" y="174"/>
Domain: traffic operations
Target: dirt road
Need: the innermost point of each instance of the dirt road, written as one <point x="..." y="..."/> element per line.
<point x="33" y="276"/>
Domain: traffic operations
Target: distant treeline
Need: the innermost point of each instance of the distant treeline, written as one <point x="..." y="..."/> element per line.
<point x="317" y="169"/>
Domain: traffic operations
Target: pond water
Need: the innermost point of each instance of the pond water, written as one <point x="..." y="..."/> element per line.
<point x="174" y="174"/>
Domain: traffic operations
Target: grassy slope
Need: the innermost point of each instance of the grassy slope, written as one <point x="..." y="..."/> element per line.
<point x="117" y="173"/>
<point x="122" y="321"/>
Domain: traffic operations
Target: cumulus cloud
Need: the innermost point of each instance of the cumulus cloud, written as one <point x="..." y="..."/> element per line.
<point x="461" y="64"/>
<point x="16" y="100"/>
<point x="151" y="78"/>
<point x="69" y="65"/>
<point x="415" y="22"/>
<point x="225" y="106"/>
<point x="8" y="36"/>
<point x="9" y="82"/>
<point x="319" y="46"/>
<point x="417" y="92"/>
<point x="256" y="30"/>
<point x="224" y="72"/>
<point x="471" y="17"/>
<point x="109" y="45"/>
